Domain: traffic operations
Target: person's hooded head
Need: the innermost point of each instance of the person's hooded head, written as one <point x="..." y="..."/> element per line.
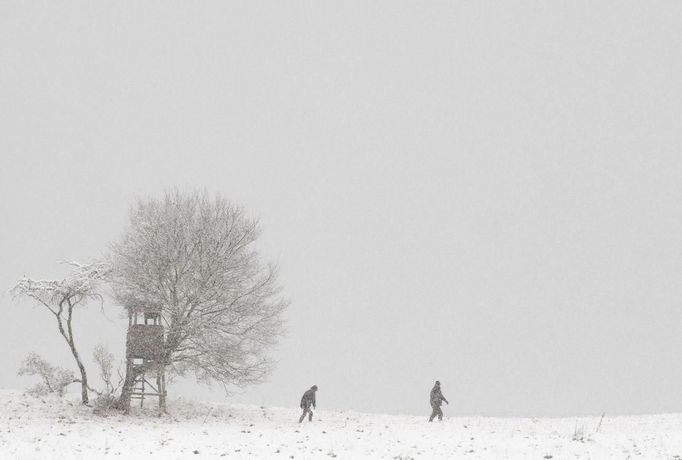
<point x="437" y="383"/>
<point x="314" y="387"/>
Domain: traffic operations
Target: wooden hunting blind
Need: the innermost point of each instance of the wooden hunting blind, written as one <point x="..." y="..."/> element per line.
<point x="144" y="354"/>
<point x="145" y="341"/>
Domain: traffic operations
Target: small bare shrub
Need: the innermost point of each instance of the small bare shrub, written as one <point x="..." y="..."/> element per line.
<point x="54" y="379"/>
<point x="105" y="362"/>
<point x="104" y="403"/>
<point x="106" y="399"/>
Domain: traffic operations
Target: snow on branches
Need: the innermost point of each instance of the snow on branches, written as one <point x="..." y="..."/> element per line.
<point x="60" y="297"/>
<point x="193" y="258"/>
<point x="80" y="285"/>
<point x="53" y="379"/>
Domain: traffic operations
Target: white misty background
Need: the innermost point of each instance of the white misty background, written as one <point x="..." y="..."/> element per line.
<point x="487" y="195"/>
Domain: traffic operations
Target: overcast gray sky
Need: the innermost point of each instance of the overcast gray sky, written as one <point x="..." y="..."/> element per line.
<point x="484" y="193"/>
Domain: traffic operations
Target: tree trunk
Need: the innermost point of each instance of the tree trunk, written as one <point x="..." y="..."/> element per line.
<point x="81" y="368"/>
<point x="161" y="385"/>
<point x="84" y="381"/>
<point x="123" y="402"/>
<point x="68" y="336"/>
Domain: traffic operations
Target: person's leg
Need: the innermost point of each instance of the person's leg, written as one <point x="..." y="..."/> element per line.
<point x="310" y="415"/>
<point x="305" y="409"/>
<point x="440" y="414"/>
<point x="433" y="413"/>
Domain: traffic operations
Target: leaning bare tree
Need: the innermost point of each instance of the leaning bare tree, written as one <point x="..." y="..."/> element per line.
<point x="193" y="258"/>
<point x="61" y="297"/>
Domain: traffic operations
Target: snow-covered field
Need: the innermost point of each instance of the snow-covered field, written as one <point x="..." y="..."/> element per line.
<point x="51" y="428"/>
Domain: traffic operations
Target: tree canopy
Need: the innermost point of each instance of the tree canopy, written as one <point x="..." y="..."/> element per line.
<point x="193" y="257"/>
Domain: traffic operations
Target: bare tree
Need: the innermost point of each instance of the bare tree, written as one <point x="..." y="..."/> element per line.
<point x="193" y="258"/>
<point x="61" y="298"/>
<point x="105" y="363"/>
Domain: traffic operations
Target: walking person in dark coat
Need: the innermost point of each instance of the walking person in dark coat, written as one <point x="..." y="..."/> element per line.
<point x="308" y="400"/>
<point x="437" y="399"/>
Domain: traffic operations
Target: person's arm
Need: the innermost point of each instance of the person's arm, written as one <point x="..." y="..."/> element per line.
<point x="314" y="405"/>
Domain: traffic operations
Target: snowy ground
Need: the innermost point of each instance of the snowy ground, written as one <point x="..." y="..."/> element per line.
<point x="51" y="428"/>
